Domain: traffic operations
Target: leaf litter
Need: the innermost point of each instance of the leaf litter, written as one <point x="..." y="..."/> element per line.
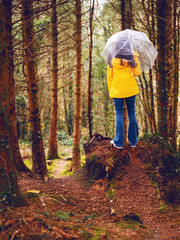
<point x="73" y="207"/>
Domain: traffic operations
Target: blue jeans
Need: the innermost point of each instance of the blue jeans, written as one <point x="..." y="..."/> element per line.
<point x="133" y="126"/>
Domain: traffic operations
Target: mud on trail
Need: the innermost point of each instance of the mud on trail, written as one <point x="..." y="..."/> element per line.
<point x="76" y="207"/>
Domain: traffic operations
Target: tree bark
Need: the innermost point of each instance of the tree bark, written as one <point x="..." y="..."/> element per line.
<point x="173" y="71"/>
<point x="154" y="128"/>
<point x="13" y="134"/>
<point x="124" y="25"/>
<point x="53" y="143"/>
<point x="9" y="190"/>
<point x="176" y="38"/>
<point x="162" y="94"/>
<point x="170" y="68"/>
<point x="66" y="112"/>
<point x="90" y="70"/>
<point x="152" y="38"/>
<point x="71" y="110"/>
<point x="38" y="155"/>
<point x="77" y="120"/>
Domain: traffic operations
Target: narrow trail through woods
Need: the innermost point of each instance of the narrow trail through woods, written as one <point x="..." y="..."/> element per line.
<point x="136" y="194"/>
<point x="77" y="207"/>
<point x="133" y="194"/>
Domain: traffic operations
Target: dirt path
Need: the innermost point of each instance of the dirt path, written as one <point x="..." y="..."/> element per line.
<point x="60" y="166"/>
<point x="91" y="206"/>
<point x="136" y="194"/>
<point x="72" y="208"/>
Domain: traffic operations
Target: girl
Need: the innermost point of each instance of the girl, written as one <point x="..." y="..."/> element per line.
<point x="122" y="84"/>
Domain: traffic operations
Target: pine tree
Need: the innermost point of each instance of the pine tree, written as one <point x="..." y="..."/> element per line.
<point x="38" y="155"/>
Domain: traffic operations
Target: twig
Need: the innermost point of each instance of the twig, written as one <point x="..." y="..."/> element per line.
<point x="14" y="234"/>
<point x="63" y="198"/>
<point x="53" y="198"/>
<point x="67" y="201"/>
<point x="111" y="164"/>
<point x="62" y="233"/>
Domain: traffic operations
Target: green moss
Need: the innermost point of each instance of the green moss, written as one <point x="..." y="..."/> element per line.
<point x="86" y="235"/>
<point x="83" y="159"/>
<point x="92" y="158"/>
<point x="67" y="171"/>
<point x="99" y="231"/>
<point x="110" y="194"/>
<point x="162" y="209"/>
<point x="28" y="163"/>
<point x="52" y="165"/>
<point x="62" y="216"/>
<point x="10" y="194"/>
<point x="130" y="224"/>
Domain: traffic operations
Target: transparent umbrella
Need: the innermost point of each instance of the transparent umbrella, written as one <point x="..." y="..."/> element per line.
<point x="126" y="42"/>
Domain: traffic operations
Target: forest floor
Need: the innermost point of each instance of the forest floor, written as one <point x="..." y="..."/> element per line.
<point x="74" y="207"/>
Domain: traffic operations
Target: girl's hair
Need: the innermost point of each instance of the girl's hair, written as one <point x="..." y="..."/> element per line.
<point x="123" y="51"/>
<point x="128" y="59"/>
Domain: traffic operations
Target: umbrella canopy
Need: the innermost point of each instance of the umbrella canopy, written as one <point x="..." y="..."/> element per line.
<point x="124" y="43"/>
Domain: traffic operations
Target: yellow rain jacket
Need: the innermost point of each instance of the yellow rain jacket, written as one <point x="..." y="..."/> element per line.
<point x="121" y="78"/>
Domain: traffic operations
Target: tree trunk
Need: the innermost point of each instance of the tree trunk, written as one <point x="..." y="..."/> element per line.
<point x="124" y="25"/>
<point x="77" y="121"/>
<point x="9" y="190"/>
<point x="66" y="112"/>
<point x="53" y="143"/>
<point x="123" y="15"/>
<point x="152" y="102"/>
<point x="176" y="38"/>
<point x="162" y="94"/>
<point x="148" y="103"/>
<point x="71" y="110"/>
<point x="38" y="155"/>
<point x="106" y="112"/>
<point x="170" y="68"/>
<point x="90" y="70"/>
<point x="13" y="134"/>
<point x="152" y="38"/>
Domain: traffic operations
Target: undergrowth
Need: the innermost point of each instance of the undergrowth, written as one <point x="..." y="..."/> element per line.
<point x="162" y="166"/>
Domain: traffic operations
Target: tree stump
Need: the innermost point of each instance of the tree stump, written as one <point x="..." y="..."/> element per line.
<point x="103" y="160"/>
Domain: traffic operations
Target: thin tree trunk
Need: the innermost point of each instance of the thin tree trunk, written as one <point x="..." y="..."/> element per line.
<point x="176" y="38"/>
<point x="71" y="110"/>
<point x="170" y="68"/>
<point x="9" y="190"/>
<point x="131" y="12"/>
<point x="90" y="70"/>
<point x="66" y="112"/>
<point x="148" y="104"/>
<point x="152" y="38"/>
<point x="13" y="134"/>
<point x="152" y="102"/>
<point x="144" y="102"/>
<point x="77" y="121"/>
<point x="53" y="145"/>
<point x="106" y="109"/>
<point x="38" y="155"/>
<point x="124" y="25"/>
<point x="162" y="94"/>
